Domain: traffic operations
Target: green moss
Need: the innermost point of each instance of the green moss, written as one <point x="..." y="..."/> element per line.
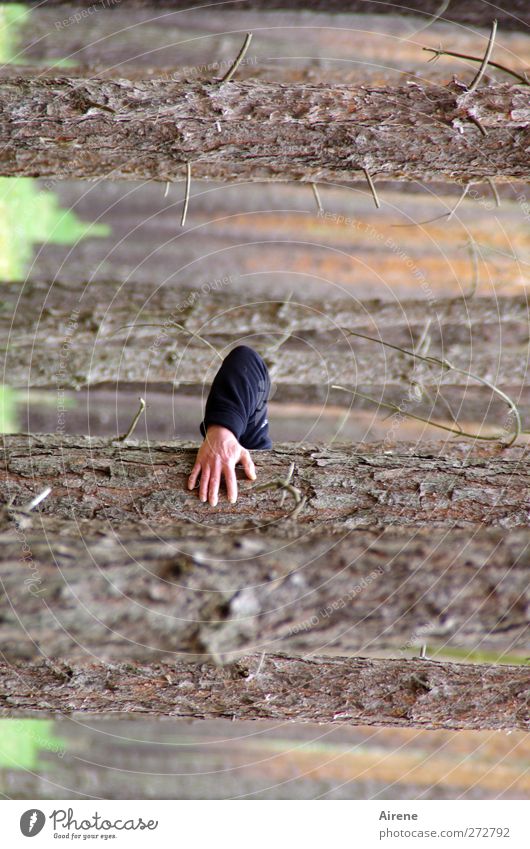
<point x="470" y="656"/>
<point x="8" y="412"/>
<point x="12" y="19"/>
<point x="30" y="215"/>
<point x="22" y="740"/>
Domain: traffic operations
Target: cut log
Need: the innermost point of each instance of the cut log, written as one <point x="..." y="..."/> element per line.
<point x="345" y="691"/>
<point x="150" y="130"/>
<point x="511" y="15"/>
<point x="346" y="486"/>
<point x="52" y="310"/>
<point x="79" y="591"/>
<point x="69" y="337"/>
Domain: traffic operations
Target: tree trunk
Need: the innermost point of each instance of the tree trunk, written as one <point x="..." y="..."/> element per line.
<point x="345" y="486"/>
<point x="124" y="559"/>
<point x="346" y="691"/>
<point x="515" y="14"/>
<point x="260" y="131"/>
<point x="114" y="334"/>
<point x="216" y="308"/>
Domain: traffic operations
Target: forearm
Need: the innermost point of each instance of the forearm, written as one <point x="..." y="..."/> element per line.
<point x="238" y="396"/>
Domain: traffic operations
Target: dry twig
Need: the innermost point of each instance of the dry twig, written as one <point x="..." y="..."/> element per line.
<point x="372" y="187"/>
<point x="239" y="58"/>
<point x="487" y="56"/>
<point x="187" y="194"/>
<point x="449" y="366"/>
<point x="439" y="52"/>
<point x="317" y="197"/>
<point x="134" y="422"/>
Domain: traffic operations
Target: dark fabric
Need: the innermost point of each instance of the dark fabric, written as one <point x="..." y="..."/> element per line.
<point x="238" y="398"/>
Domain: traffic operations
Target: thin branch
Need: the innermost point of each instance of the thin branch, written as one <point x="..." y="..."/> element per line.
<point x="493" y="188"/>
<point x="285" y="485"/>
<point x="187" y="195"/>
<point x="170" y="324"/>
<point x="450" y="367"/>
<point x="472" y="245"/>
<point x="287" y="480"/>
<point x="447" y="215"/>
<point x="197" y="336"/>
<point x="134" y="422"/>
<point x="434" y="18"/>
<point x="281" y="341"/>
<point x="37" y="500"/>
<point x="424" y="342"/>
<point x="298" y="509"/>
<point x="241" y="55"/>
<point x="398" y="409"/>
<point x="477" y="124"/>
<point x="432" y="398"/>
<point x="459" y="201"/>
<point x="372" y="188"/>
<point x="287" y="333"/>
<point x="421" y="223"/>
<point x="487" y="56"/>
<point x="520" y="77"/>
<point x="317" y="197"/>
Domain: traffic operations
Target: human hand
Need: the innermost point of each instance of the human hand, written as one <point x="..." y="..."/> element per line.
<point x="218" y="455"/>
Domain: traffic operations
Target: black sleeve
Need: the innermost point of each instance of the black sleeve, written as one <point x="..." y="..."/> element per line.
<point x="238" y="398"/>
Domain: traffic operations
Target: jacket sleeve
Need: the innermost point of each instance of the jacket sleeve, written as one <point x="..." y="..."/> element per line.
<point x="240" y="388"/>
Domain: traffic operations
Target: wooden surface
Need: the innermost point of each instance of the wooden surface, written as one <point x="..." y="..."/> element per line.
<point x="125" y="129"/>
<point x="346" y="691"/>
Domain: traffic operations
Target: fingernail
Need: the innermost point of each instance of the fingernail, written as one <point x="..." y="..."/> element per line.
<point x="214" y="502"/>
<point x="203" y="499"/>
<point x="233" y="500"/>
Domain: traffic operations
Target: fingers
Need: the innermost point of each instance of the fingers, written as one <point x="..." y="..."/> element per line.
<point x="231" y="483"/>
<point x="192" y="480"/>
<point x="214" y="483"/>
<point x="205" y="478"/>
<point x="248" y="465"/>
<point x="211" y="473"/>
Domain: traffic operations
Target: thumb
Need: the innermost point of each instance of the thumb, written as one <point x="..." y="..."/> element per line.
<point x="248" y="465"/>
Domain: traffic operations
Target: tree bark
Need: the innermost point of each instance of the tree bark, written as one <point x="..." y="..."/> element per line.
<point x="514" y="14"/>
<point x="69" y="337"/>
<point x="345" y="691"/>
<point x="54" y="308"/>
<point x="123" y="563"/>
<point x="345" y="486"/>
<point x="260" y="131"/>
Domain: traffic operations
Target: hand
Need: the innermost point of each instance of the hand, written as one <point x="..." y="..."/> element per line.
<point x="218" y="455"/>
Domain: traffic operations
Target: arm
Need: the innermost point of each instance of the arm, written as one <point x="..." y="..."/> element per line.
<point x="235" y="420"/>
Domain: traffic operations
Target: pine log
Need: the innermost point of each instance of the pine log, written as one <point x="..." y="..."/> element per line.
<point x="258" y="131"/>
<point x="121" y="556"/>
<point x="512" y="15"/>
<point x="70" y="337"/>
<point x="342" y="691"/>
<point x="345" y="485"/>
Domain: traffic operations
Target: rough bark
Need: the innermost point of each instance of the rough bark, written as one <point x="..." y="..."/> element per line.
<point x="346" y="691"/>
<point x="70" y="337"/>
<point x="514" y="14"/>
<point x="86" y="591"/>
<point x="48" y="307"/>
<point x="260" y="131"/>
<point x="345" y="486"/>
